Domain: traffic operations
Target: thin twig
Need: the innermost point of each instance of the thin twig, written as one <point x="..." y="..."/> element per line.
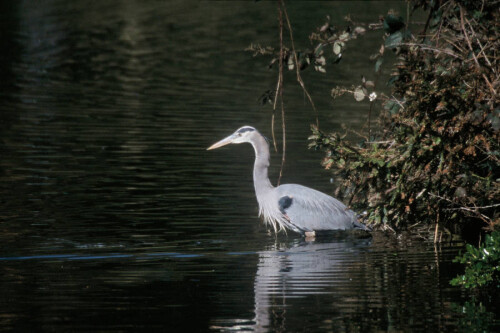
<point x="426" y="23"/>
<point x="455" y="45"/>
<point x="377" y="75"/>
<point x="484" y="55"/>
<point x="473" y="208"/>
<point x="468" y="209"/>
<point x="436" y="232"/>
<point x="299" y="78"/>
<point x="284" y="135"/>
<point x="472" y="51"/>
<point x="444" y="11"/>
<point x="467" y="37"/>
<point x="480" y="45"/>
<point x="380" y="142"/>
<point x="272" y="133"/>
<point x="279" y="91"/>
<point x="279" y="84"/>
<point x="427" y="47"/>
<point x="358" y="134"/>
<point x="370" y="120"/>
<point x="399" y="103"/>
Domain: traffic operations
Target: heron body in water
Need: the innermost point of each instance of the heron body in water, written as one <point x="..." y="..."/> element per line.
<point x="291" y="206"/>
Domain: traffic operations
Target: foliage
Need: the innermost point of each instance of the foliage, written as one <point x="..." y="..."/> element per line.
<point x="327" y="37"/>
<point x="437" y="158"/>
<point x="482" y="264"/>
<point x="474" y="317"/>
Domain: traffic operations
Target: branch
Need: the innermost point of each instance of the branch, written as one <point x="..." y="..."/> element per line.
<point x="475" y="210"/>
<point x="279" y="90"/>
<point x="279" y="84"/>
<point x="429" y="48"/>
<point x="472" y="50"/>
<point x="299" y="78"/>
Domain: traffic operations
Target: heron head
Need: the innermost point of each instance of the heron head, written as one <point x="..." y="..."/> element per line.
<point x="242" y="134"/>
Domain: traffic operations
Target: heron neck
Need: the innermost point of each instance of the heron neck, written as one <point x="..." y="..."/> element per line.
<point x="260" y="177"/>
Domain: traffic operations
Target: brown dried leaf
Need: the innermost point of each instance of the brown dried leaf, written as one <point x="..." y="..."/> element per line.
<point x="471" y="150"/>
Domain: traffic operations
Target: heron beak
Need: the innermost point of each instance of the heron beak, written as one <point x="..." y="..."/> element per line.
<point x="222" y="142"/>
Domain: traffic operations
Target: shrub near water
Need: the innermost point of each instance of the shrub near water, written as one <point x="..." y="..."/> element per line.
<point x="438" y="158"/>
<point x="482" y="264"/>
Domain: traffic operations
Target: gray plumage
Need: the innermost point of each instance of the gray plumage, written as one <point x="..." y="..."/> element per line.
<point x="290" y="206"/>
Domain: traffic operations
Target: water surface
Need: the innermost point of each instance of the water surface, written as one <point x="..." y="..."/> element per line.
<point x="113" y="215"/>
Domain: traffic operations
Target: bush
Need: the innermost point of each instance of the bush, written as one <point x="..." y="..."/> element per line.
<point x="437" y="160"/>
<point x="482" y="264"/>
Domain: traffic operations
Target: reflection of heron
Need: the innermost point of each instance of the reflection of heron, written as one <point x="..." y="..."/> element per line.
<point x="291" y="206"/>
<point x="301" y="270"/>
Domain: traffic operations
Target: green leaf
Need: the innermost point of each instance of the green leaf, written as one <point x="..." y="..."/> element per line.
<point x="393" y="23"/>
<point x="394" y="40"/>
<point x="436" y="18"/>
<point x="392" y="80"/>
<point x="379" y="63"/>
<point x="392" y="107"/>
<point x="319" y="50"/>
<point x="483" y="264"/>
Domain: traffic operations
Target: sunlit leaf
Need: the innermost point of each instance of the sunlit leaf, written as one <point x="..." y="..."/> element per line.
<point x="321" y="61"/>
<point x="359" y="94"/>
<point x="324" y="27"/>
<point x="359" y="30"/>
<point x="337" y="47"/>
<point x="379" y="63"/>
<point x="320" y="69"/>
<point x="272" y="62"/>
<point x="344" y="37"/>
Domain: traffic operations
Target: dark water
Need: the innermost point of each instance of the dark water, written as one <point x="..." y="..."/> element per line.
<point x="113" y="215"/>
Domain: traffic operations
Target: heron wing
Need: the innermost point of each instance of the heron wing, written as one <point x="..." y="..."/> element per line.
<point x="308" y="209"/>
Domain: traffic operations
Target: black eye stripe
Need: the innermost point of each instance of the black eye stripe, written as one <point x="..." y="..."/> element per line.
<point x="245" y="129"/>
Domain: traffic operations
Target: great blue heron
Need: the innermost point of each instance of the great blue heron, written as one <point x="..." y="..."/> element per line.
<point x="291" y="206"/>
